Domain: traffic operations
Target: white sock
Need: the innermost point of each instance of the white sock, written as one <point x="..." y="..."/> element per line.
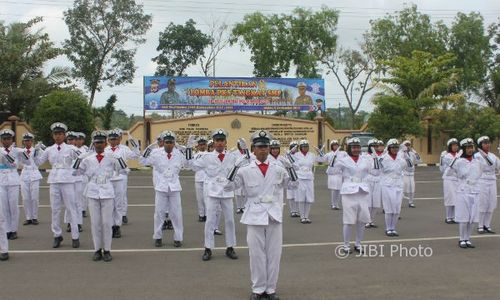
<point x="307" y="208"/>
<point x="449" y="212"/>
<point x="462" y="229"/>
<point x="293" y="205"/>
<point x="410" y="198"/>
<point x="388" y="221"/>
<point x="395" y="218"/>
<point x="469" y="231"/>
<point x="372" y="214"/>
<point x="347" y="234"/>
<point x="487" y="219"/>
<point x="302" y="209"/>
<point x="360" y="233"/>
<point x="481" y="219"/>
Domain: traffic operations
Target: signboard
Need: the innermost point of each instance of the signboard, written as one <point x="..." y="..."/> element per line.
<point x="233" y="93"/>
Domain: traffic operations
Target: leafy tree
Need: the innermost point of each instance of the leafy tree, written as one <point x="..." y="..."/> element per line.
<point x="180" y="46"/>
<point x="279" y="42"/>
<point x="69" y="107"/>
<point x="23" y="54"/>
<point x="106" y="112"/>
<point x="102" y="35"/>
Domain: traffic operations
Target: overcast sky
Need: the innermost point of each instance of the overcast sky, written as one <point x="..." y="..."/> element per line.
<point x="353" y="21"/>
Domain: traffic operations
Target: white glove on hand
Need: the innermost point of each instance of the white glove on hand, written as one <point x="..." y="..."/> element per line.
<point x="191" y="141"/>
<point x="241" y="161"/>
<point x="285" y="162"/>
<point x="294" y="149"/>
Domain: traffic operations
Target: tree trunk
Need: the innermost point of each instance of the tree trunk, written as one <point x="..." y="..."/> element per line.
<point x="92" y="96"/>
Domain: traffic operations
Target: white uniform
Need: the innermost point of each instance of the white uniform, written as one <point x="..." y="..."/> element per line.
<point x="100" y="193"/>
<point x="120" y="182"/>
<point x="304" y="164"/>
<point x="62" y="185"/>
<point x="199" y="181"/>
<point x="239" y="194"/>
<point x="488" y="183"/>
<point x="30" y="186"/>
<point x="263" y="214"/>
<point x="412" y="159"/>
<point x="450" y="183"/>
<point x="355" y="192"/>
<point x="391" y="183"/>
<point x="217" y="171"/>
<point x="81" y="203"/>
<point x="375" y="189"/>
<point x="9" y="186"/>
<point x="167" y="189"/>
<point x="466" y="206"/>
<point x="335" y="179"/>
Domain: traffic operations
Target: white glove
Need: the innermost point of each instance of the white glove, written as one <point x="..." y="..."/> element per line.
<point x="294" y="149"/>
<point x="191" y="142"/>
<point x="241" y="161"/>
<point x="320" y="150"/>
<point x="180" y="148"/>
<point x="244" y="147"/>
<point x="285" y="162"/>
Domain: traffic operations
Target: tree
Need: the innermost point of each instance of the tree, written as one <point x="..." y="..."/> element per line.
<point x="394" y="117"/>
<point x="353" y="71"/>
<point x="68" y="107"/>
<point x="23" y="54"/>
<point x="106" y="112"/>
<point x="219" y="39"/>
<point x="180" y="46"/>
<point x="101" y="37"/>
<point x="277" y="42"/>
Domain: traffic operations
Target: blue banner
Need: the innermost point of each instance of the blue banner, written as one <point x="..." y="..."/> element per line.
<point x="233" y="93"/>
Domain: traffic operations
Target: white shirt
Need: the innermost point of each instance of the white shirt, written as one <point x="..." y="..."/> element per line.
<point x="392" y="170"/>
<point x="444" y="166"/>
<point x="488" y="171"/>
<point x="354" y="174"/>
<point x="125" y="153"/>
<point x="167" y="169"/>
<point x="99" y="175"/>
<point x="468" y="173"/>
<point x="30" y="172"/>
<point x="61" y="161"/>
<point x="8" y="171"/>
<point x="304" y="164"/>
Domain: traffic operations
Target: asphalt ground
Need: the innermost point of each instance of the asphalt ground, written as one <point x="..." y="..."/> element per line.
<point x="424" y="262"/>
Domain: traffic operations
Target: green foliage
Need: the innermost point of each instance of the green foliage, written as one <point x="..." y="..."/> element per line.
<point x="180" y="46"/>
<point x="302" y="39"/>
<point x="105" y="113"/>
<point x="101" y="37"/>
<point x="68" y="107"/>
<point x="23" y="53"/>
<point x="394" y="117"/>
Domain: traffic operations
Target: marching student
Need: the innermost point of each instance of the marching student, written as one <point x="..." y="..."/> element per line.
<point x="391" y="183"/>
<point x="450" y="179"/>
<point x="80" y="185"/>
<point x="238" y="194"/>
<point x="263" y="182"/>
<point x="30" y="182"/>
<point x="217" y="165"/>
<point x="61" y="182"/>
<point x="334" y="180"/>
<point x="199" y="180"/>
<point x="303" y="162"/>
<point x="10" y="157"/>
<point x="412" y="158"/>
<point x="290" y="194"/>
<point x="355" y="190"/>
<point x="99" y="167"/>
<point x="167" y="163"/>
<point x="466" y="207"/>
<point x="373" y="179"/>
<point x="488" y="183"/>
<point x="120" y="180"/>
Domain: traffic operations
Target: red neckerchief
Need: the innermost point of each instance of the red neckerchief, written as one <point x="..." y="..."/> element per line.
<point x="355" y="158"/>
<point x="379" y="152"/>
<point x="304" y="153"/>
<point x="99" y="157"/>
<point x="221" y="156"/>
<point x="454" y="154"/>
<point x="169" y="155"/>
<point x="393" y="155"/>
<point x="28" y="150"/>
<point x="263" y="167"/>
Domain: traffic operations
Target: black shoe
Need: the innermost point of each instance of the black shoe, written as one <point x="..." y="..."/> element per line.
<point x="373" y="225"/>
<point x="207" y="255"/>
<point x="230" y="253"/>
<point x="13" y="235"/>
<point x="164" y="225"/>
<point x="177" y="244"/>
<point x="217" y="232"/>
<point x="411" y="205"/>
<point x="256" y="296"/>
<point x="169" y="225"/>
<point x="204" y="218"/>
<point x="35" y="222"/>
<point x="358" y="249"/>
<point x="57" y="242"/>
<point x="80" y="228"/>
<point x="8" y="235"/>
<point x="200" y="219"/>
<point x="158" y="243"/>
<point x="124" y="220"/>
<point x="462" y="244"/>
<point x="97" y="255"/>
<point x="118" y="232"/>
<point x="448" y="221"/>
<point x="239" y="211"/>
<point x="75" y="243"/>
<point x="4" y="256"/>
<point x="107" y="256"/>
<point x="488" y="230"/>
<point x="68" y="228"/>
<point x="28" y="222"/>
<point x="84" y="213"/>
<point x="272" y="297"/>
<point x="469" y="244"/>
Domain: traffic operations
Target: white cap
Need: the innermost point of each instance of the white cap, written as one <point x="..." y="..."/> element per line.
<point x="466" y="142"/>
<point x="451" y="141"/>
<point x="392" y="142"/>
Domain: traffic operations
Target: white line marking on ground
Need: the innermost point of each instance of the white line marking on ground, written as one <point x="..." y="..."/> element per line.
<point x="246" y="247"/>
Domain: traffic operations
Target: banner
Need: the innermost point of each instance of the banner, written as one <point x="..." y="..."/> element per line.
<point x="233" y="93"/>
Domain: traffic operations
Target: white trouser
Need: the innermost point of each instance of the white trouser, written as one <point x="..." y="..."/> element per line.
<point x="264" y="247"/>
<point x="101" y="219"/>
<point x="336" y="198"/>
<point x="119" y="187"/>
<point x="63" y="194"/>
<point x="227" y="209"/>
<point x="79" y="204"/>
<point x="9" y="195"/>
<point x="241" y="200"/>
<point x="30" y="192"/>
<point x="199" y="198"/>
<point x="4" y="243"/>
<point x="124" y="207"/>
<point x="172" y="200"/>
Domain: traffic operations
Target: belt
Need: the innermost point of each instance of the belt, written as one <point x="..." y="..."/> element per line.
<point x="471" y="182"/>
<point x="60" y="166"/>
<point x="100" y="179"/>
<point x="353" y="179"/>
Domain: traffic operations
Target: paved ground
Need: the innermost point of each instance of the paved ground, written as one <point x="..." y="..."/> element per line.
<point x="309" y="267"/>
